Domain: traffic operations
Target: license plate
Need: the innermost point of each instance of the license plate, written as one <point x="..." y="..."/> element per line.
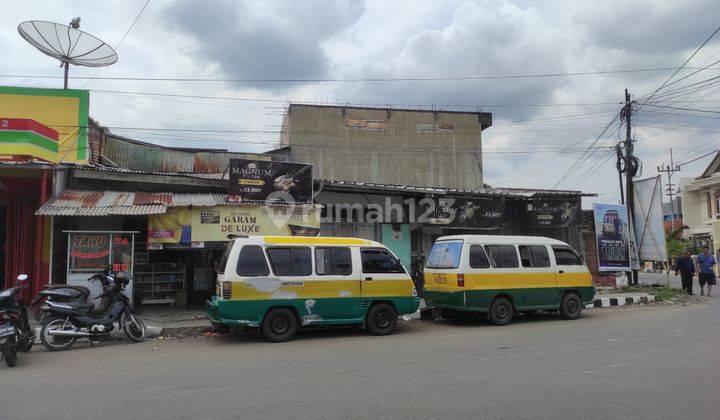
<point x="6" y="330"/>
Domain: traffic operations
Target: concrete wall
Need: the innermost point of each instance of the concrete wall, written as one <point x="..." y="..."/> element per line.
<point x="418" y="148"/>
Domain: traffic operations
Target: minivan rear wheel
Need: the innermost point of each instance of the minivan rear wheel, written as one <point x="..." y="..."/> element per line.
<point x="501" y="311"/>
<point x="571" y="306"/>
<point x="279" y="325"/>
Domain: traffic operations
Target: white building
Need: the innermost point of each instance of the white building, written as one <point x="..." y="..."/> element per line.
<point x="701" y="211"/>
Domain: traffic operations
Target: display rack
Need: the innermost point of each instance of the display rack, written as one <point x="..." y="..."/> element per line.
<point x="159" y="283"/>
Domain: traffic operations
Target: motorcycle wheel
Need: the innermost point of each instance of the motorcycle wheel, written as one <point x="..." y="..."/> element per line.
<point x="57" y="343"/>
<point x="9" y="352"/>
<point x="134" y="328"/>
<point x="25" y="345"/>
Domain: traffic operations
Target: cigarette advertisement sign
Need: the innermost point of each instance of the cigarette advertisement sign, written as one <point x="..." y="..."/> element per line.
<point x="270" y="181"/>
<point x="480" y="213"/>
<point x="214" y="224"/>
<point x="612" y="237"/>
<point x="554" y="212"/>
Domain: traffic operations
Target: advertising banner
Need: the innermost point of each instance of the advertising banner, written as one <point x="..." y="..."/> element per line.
<point x="214" y="224"/>
<point x="648" y="220"/>
<point x="172" y="227"/>
<point x="63" y="112"/>
<point x="612" y="237"/>
<point x="479" y="213"/>
<point x="270" y="181"/>
<point x="554" y="212"/>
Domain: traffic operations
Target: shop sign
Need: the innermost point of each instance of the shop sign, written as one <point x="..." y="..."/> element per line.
<point x="96" y="251"/>
<point x="270" y="181"/>
<point x="554" y="212"/>
<point x="479" y="213"/>
<point x="212" y="224"/>
<point x="612" y="231"/>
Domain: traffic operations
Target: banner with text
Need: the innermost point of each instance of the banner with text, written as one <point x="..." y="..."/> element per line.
<point x="270" y="181"/>
<point x="612" y="237"/>
<point x="212" y="224"/>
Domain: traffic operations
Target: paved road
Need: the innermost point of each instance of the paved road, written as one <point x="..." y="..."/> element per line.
<point x="649" y="362"/>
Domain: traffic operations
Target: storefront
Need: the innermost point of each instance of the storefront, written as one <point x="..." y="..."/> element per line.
<point x="169" y="242"/>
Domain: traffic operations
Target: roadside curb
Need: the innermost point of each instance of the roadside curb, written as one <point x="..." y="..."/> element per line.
<point x="606" y="302"/>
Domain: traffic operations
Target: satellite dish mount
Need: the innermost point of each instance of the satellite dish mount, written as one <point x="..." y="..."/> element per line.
<point x="68" y="44"/>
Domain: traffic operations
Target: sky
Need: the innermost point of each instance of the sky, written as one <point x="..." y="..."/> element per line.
<point x="548" y="132"/>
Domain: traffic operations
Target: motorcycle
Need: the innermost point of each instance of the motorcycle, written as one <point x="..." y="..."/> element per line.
<point x="15" y="332"/>
<point x="76" y="295"/>
<point x="65" y="322"/>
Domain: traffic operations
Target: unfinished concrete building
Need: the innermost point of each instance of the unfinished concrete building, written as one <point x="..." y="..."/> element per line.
<point x="386" y="145"/>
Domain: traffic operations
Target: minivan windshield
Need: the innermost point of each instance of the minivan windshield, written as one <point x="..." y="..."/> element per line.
<point x="445" y="254"/>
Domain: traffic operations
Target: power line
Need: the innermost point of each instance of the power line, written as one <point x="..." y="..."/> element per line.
<point x="346" y="80"/>
<point x="117" y="46"/>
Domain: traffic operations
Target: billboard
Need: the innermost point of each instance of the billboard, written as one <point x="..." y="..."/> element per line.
<point x="213" y="224"/>
<point x="554" y="212"/>
<point x="480" y="213"/>
<point x="64" y="111"/>
<point x="612" y="230"/>
<point x="648" y="220"/>
<point x="266" y="180"/>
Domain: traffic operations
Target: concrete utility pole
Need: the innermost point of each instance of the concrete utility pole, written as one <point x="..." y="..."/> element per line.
<point x="670" y="169"/>
<point x="631" y="167"/>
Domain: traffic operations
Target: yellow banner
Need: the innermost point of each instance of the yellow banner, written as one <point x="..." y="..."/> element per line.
<point x="209" y="224"/>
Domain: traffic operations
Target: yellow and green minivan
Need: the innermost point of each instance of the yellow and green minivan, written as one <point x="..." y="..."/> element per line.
<point x="280" y="283"/>
<point x="503" y="275"/>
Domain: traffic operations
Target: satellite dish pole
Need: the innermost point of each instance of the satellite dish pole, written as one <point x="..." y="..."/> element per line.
<point x="68" y="44"/>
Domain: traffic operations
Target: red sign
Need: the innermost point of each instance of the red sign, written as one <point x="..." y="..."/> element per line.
<point x="24" y="124"/>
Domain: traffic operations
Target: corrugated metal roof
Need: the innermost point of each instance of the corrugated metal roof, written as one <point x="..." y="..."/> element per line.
<point x="104" y="203"/>
<point x="138" y="155"/>
<point x="109" y="203"/>
<point x="514" y="192"/>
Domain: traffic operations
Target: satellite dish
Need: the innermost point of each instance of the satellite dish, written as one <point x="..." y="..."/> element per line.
<point x="68" y="44"/>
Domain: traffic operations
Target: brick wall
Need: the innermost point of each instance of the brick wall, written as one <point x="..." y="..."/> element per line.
<point x="587" y="229"/>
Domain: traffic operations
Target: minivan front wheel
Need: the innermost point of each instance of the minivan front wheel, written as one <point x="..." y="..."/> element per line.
<point x="381" y="319"/>
<point x="279" y="325"/>
<point x="501" y="311"/>
<point x="571" y="306"/>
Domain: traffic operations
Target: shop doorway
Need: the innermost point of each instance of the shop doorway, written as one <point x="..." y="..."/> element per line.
<point x="3" y="242"/>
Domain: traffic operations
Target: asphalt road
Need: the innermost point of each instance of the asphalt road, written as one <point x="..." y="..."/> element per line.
<point x="643" y="362"/>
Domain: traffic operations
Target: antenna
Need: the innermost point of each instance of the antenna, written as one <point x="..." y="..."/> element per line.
<point x="68" y="44"/>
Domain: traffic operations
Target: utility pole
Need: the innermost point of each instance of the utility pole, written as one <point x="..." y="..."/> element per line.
<point x="631" y="167"/>
<point x="619" y="166"/>
<point x="669" y="170"/>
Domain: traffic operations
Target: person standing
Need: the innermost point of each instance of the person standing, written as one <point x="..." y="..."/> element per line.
<point x="705" y="263"/>
<point x="686" y="267"/>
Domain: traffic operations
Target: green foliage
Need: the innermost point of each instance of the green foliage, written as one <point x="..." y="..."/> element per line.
<point x="676" y="245"/>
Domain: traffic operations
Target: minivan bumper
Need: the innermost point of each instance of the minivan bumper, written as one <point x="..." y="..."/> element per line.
<point x="213" y="309"/>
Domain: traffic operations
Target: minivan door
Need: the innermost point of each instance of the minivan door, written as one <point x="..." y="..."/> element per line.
<point x="570" y="271"/>
<point x="383" y="275"/>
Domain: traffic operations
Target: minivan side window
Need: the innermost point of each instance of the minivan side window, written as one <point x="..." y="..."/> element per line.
<point x="380" y="261"/>
<point x="251" y="262"/>
<point x="534" y="256"/>
<point x="478" y="257"/>
<point x="333" y="261"/>
<point x="566" y="256"/>
<point x="502" y="256"/>
<point x="290" y="261"/>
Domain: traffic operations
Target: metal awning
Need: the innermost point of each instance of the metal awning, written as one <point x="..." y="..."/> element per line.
<point x="111" y="203"/>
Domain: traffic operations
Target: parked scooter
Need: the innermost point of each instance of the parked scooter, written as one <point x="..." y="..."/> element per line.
<point x="65" y="322"/>
<point x="76" y="295"/>
<point x="15" y="332"/>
